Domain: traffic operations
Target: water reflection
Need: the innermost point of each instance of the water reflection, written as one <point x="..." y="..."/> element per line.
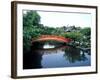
<point x="60" y="56"/>
<point x="74" y="54"/>
<point x="32" y="60"/>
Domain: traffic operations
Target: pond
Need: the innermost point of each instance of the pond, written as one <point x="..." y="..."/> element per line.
<point x="51" y="56"/>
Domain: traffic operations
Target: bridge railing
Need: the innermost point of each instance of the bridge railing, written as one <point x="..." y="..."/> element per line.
<point x="54" y="36"/>
<point x="47" y="37"/>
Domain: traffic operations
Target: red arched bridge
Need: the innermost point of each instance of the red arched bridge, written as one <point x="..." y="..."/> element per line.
<point x="52" y="37"/>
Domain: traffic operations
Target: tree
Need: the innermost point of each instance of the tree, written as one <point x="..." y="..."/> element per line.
<point x="31" y="18"/>
<point x="31" y="21"/>
<point x="86" y="36"/>
<point x="75" y="36"/>
<point x="86" y="31"/>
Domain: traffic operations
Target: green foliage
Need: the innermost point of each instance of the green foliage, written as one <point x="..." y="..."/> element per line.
<point x="31" y="18"/>
<point x="80" y="37"/>
<point x="76" y="36"/>
<point x="30" y="23"/>
<point x="86" y="31"/>
<point x="86" y="37"/>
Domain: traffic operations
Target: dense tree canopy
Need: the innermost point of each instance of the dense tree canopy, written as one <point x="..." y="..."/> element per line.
<point x="31" y="22"/>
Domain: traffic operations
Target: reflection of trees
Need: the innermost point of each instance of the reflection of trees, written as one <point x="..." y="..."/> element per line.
<point x="74" y="54"/>
<point x="32" y="60"/>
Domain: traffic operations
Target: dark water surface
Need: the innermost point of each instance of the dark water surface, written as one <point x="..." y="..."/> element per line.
<point x="54" y="57"/>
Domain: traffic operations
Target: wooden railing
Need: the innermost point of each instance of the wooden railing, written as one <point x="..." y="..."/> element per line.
<point x="52" y="37"/>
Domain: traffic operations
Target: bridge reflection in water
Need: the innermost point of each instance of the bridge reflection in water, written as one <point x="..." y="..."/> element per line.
<point x="62" y="56"/>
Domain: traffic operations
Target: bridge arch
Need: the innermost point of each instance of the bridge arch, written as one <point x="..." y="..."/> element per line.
<point x="52" y="37"/>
